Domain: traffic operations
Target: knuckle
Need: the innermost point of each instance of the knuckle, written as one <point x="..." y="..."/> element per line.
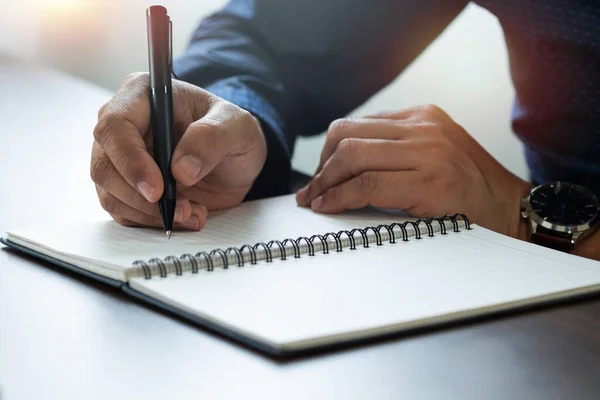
<point x="347" y="148"/>
<point x="134" y="200"/>
<point x="244" y="115"/>
<point x="332" y="195"/>
<point x="128" y="161"/>
<point x="217" y="131"/>
<point x="213" y="126"/>
<point x="108" y="202"/>
<point x="99" y="169"/>
<point x="134" y="78"/>
<point x="435" y="113"/>
<point x="439" y="183"/>
<point x="431" y="109"/>
<point x="101" y="109"/>
<point x="209" y="132"/>
<point x="122" y="221"/>
<point x="338" y="127"/>
<point x="316" y="184"/>
<point x="433" y="128"/>
<point x="444" y="183"/>
<point x="104" y="128"/>
<point x="439" y="150"/>
<point x="227" y="112"/>
<point x="367" y="182"/>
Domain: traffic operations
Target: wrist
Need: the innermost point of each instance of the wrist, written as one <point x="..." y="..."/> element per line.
<point x="518" y="228"/>
<point x="562" y="216"/>
<point x="274" y="177"/>
<point x="589" y="246"/>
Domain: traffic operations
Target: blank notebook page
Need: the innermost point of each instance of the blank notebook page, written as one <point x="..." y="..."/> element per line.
<point x="316" y="300"/>
<point x="105" y="246"/>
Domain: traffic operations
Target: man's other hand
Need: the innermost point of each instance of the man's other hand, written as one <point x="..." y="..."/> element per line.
<point x="418" y="160"/>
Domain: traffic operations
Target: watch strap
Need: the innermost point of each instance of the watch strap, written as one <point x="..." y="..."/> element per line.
<point x="552" y="240"/>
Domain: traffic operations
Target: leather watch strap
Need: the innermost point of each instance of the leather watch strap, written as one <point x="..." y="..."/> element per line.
<point x="551" y="240"/>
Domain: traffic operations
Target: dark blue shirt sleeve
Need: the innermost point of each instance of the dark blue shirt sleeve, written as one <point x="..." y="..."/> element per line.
<point x="298" y="65"/>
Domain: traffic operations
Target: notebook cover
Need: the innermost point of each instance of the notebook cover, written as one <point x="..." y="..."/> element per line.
<point x="100" y="278"/>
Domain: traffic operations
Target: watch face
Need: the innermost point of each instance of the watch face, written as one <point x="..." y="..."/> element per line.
<point x="564" y="204"/>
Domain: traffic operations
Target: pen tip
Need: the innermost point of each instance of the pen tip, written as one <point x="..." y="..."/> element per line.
<point x="168" y="234"/>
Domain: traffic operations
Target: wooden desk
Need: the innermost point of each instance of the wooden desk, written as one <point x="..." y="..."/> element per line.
<point x="65" y="337"/>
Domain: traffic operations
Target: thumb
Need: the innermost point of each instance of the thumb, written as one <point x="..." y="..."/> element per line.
<point x="207" y="141"/>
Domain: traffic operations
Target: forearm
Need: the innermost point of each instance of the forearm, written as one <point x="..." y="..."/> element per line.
<point x="313" y="60"/>
<point x="297" y="66"/>
<point x="228" y="58"/>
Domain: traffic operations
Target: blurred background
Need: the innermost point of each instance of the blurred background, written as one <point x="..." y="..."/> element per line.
<point x="465" y="71"/>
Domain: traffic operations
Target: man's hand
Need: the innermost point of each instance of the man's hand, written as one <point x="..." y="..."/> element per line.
<point x="417" y="160"/>
<point x="220" y="151"/>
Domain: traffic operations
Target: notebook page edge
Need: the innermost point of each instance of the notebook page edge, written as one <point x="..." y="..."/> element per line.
<point x="380" y="331"/>
<point x="117" y="272"/>
<point x="441" y="320"/>
<point x="529" y="248"/>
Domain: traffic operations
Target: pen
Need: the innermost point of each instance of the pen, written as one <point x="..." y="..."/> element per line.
<point x="161" y="104"/>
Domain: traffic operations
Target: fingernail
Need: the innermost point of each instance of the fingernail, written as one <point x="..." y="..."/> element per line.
<point x="179" y="213"/>
<point x="193" y="223"/>
<point x="146" y="190"/>
<point x="317" y="203"/>
<point x="190" y="165"/>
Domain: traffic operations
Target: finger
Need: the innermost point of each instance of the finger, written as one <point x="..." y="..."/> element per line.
<point x="105" y="175"/>
<point x="128" y="216"/>
<point x="431" y="116"/>
<point x="362" y="128"/>
<point x="400" y="190"/>
<point x="428" y="111"/>
<point x="432" y="120"/>
<point x="221" y="132"/>
<point x="124" y="221"/>
<point x="188" y="225"/>
<point x="213" y="198"/>
<point x="120" y="130"/>
<point x="116" y="207"/>
<point x="354" y="156"/>
<point x="198" y="218"/>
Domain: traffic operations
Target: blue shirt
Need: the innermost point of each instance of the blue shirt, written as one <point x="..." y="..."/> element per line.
<point x="298" y="65"/>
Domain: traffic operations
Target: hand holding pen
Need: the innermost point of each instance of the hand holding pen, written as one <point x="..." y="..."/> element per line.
<point x="208" y="151"/>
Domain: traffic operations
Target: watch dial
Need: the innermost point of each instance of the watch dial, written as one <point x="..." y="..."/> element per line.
<point x="564" y="204"/>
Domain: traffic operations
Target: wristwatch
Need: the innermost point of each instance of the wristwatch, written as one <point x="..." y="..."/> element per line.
<point x="560" y="213"/>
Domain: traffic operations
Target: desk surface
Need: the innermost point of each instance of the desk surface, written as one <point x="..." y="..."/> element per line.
<point x="63" y="337"/>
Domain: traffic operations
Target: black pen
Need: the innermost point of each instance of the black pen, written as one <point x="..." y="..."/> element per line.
<point x="161" y="103"/>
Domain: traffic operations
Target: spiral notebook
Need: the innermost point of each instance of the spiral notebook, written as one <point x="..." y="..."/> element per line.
<point x="285" y="280"/>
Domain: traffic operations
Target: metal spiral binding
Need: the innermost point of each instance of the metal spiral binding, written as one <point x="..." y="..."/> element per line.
<point x="282" y="247"/>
